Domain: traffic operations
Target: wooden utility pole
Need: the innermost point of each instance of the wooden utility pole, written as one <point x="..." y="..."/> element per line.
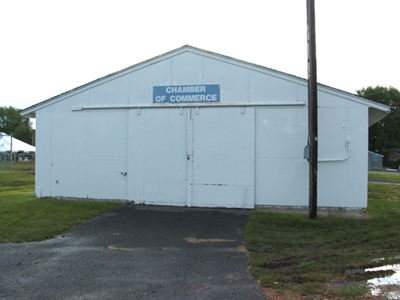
<point x="312" y="110"/>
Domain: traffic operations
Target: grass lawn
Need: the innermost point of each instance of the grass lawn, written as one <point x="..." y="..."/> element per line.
<point x="295" y="254"/>
<point x="395" y="177"/>
<point x="23" y="218"/>
<point x="22" y="174"/>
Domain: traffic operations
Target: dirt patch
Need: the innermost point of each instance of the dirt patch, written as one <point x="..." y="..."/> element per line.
<point x="369" y="275"/>
<point x="242" y="248"/>
<point x="271" y="294"/>
<point x="112" y="247"/>
<point x="196" y="241"/>
<point x="272" y="266"/>
<point x="295" y="280"/>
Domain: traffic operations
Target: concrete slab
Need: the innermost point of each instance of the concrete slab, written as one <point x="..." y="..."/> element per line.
<point x="136" y="252"/>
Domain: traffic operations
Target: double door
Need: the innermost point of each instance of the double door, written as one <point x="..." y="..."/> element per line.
<point x="192" y="156"/>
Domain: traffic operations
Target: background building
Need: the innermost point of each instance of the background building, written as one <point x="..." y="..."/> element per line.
<point x="375" y="161"/>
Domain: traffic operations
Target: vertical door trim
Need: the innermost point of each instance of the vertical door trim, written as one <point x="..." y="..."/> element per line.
<point x="189" y="158"/>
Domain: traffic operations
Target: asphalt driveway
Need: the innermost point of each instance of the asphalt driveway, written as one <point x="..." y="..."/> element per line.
<point x="136" y="252"/>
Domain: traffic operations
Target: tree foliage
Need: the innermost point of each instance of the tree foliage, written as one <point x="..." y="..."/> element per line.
<point x="11" y="122"/>
<point x="384" y="134"/>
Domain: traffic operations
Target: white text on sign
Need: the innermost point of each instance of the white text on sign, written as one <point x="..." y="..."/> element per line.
<point x="186" y="93"/>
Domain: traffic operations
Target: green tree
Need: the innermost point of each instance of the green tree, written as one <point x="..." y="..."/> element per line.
<point x="11" y="122"/>
<point x="384" y="134"/>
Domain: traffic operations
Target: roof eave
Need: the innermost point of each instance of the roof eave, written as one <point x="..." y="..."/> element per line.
<point x="375" y="115"/>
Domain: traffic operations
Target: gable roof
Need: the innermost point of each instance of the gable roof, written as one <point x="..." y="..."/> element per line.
<point x="376" y="110"/>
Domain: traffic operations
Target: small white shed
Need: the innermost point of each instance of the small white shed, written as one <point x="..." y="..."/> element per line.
<point x="375" y="161"/>
<point x="196" y="128"/>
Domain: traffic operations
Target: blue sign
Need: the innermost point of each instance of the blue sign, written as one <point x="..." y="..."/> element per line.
<point x="186" y="93"/>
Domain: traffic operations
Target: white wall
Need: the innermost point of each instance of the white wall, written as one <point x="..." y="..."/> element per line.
<point x="281" y="171"/>
<point x="344" y="183"/>
<point x="43" y="153"/>
<point x="81" y="154"/>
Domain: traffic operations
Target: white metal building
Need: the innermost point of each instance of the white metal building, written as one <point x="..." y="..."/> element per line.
<point x="196" y="128"/>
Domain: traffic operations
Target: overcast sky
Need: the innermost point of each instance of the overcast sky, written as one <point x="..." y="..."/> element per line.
<point x="49" y="47"/>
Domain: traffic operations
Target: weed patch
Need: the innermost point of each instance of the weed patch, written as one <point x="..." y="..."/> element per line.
<point x="352" y="292"/>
